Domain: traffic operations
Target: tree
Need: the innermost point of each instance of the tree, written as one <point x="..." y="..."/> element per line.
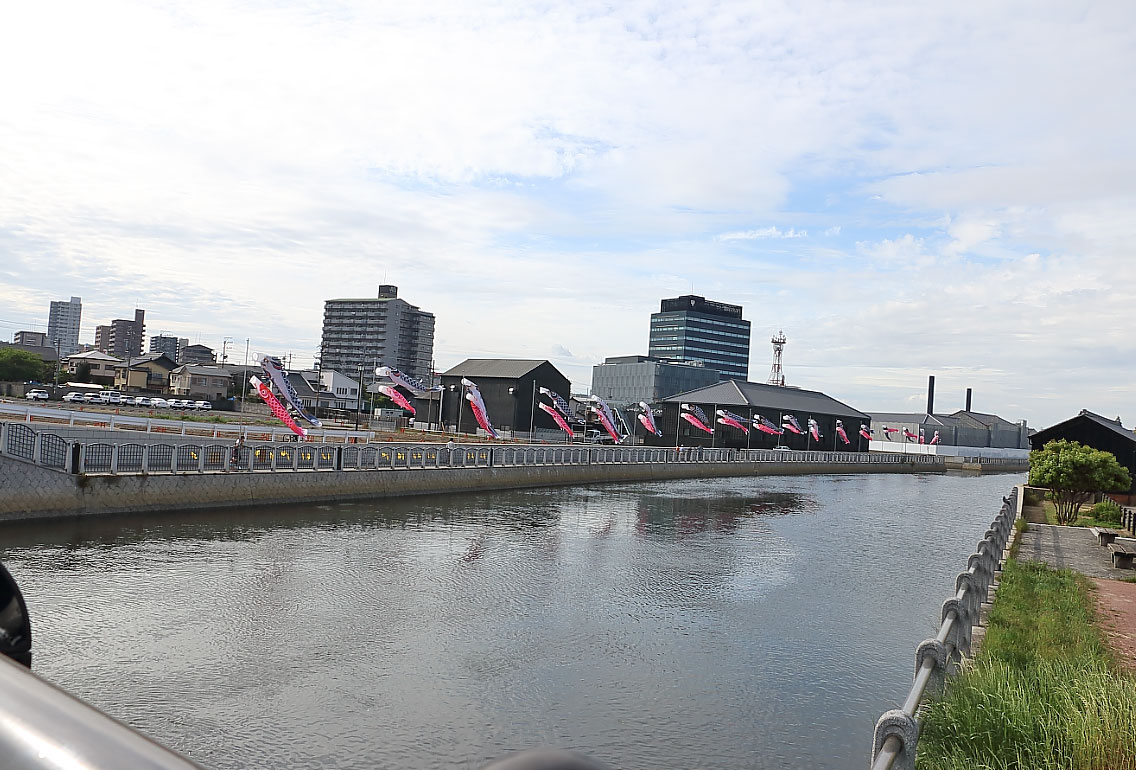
<point x="19" y="365"/>
<point x="83" y="372"/>
<point x="1073" y="472"/>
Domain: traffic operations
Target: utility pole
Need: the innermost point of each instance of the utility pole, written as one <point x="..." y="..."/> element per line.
<point x="225" y="349"/>
<point x="245" y="377"/>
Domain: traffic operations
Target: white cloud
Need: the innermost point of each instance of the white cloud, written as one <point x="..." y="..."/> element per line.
<point x="534" y="173"/>
<point x="764" y="232"/>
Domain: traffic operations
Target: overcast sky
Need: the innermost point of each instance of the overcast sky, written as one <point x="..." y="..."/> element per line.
<point x="905" y="188"/>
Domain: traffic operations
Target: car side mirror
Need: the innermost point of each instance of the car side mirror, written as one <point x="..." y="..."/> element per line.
<point x="15" y="627"/>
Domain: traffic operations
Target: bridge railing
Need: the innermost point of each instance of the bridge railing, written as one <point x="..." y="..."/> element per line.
<point x="897" y="731"/>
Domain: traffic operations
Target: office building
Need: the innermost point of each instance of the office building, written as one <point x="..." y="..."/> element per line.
<point x="361" y="334"/>
<point x="63" y="325"/>
<point x="631" y="379"/>
<point x="122" y="337"/>
<point x="694" y="329"/>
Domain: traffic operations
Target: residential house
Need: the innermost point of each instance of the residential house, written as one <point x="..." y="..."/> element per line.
<point x="101" y="365"/>
<point x="150" y="373"/>
<point x="200" y="383"/>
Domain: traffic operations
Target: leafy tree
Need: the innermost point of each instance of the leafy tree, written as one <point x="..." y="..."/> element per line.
<point x="1073" y="472"/>
<point x="19" y="365"/>
<point x="83" y="372"/>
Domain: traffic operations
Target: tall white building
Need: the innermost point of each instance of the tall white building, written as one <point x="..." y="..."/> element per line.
<point x="377" y="331"/>
<point x="63" y="325"/>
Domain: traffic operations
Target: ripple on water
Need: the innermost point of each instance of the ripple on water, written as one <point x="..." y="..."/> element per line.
<point x="755" y="623"/>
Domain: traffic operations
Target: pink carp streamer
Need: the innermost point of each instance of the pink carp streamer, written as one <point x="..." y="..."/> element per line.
<point x="814" y="429"/>
<point x="477" y="404"/>
<point x="558" y="401"/>
<point x="647" y="417"/>
<point x="555" y="414"/>
<point x="607" y="419"/>
<point x="696" y="417"/>
<point x="406" y="381"/>
<point x="865" y="432"/>
<point x="935" y="439"/>
<point x="765" y="425"/>
<point x="789" y="422"/>
<point x="733" y="420"/>
<point x="274" y="405"/>
<point x="840" y="432"/>
<point x="274" y="368"/>
<point x="394" y="395"/>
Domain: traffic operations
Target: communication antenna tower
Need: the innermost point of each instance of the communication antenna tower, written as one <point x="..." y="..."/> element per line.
<point x="776" y="376"/>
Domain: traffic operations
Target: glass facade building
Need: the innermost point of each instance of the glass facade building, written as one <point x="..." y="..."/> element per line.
<point x="693" y="329"/>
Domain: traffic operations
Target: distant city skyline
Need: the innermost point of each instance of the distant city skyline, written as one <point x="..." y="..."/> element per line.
<point x="905" y="190"/>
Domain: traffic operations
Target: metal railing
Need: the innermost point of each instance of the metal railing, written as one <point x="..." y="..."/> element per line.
<point x="52" y="451"/>
<point x="48" y="416"/>
<point x="897" y="731"/>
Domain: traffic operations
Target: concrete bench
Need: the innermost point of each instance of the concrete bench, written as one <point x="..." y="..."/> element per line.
<point x="1123" y="551"/>
<point x="1105" y="536"/>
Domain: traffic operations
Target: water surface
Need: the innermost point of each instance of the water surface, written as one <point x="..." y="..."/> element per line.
<point x="733" y="623"/>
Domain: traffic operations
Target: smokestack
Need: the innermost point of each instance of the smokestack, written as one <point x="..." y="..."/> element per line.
<point x="968" y="392"/>
<point x="931" y="394"/>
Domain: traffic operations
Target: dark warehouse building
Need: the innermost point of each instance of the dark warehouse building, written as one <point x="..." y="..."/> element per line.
<point x="773" y="402"/>
<point x="508" y="387"/>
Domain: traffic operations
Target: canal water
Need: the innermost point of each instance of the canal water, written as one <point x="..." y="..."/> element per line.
<point x="733" y="623"/>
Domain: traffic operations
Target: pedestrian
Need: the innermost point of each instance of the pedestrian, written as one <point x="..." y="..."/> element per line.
<point x="235" y="455"/>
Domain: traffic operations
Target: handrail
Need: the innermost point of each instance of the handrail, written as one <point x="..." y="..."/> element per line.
<point x="897" y="731"/>
<point x="132" y="456"/>
<point x="43" y="726"/>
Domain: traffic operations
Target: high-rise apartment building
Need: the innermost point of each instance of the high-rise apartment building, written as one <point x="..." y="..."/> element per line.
<point x="63" y="325"/>
<point x="692" y="328"/>
<point x="380" y="331"/>
<point x="122" y="337"/>
<point x="162" y="343"/>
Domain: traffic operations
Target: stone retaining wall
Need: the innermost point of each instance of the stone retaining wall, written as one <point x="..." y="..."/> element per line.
<point x="30" y="492"/>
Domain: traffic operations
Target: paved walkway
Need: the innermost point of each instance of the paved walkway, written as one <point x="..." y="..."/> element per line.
<point x="1075" y="548"/>
<point x="1072" y="548"/>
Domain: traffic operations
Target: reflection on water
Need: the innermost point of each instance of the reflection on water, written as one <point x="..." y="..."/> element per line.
<point x="734" y="623"/>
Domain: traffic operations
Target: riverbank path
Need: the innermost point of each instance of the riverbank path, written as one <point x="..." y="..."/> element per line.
<point x="1076" y="548"/>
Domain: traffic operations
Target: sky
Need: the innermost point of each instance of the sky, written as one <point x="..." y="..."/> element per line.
<point x="906" y="189"/>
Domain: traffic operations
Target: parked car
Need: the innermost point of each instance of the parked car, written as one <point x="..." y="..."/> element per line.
<point x="36" y="395"/>
<point x="159" y="403"/>
<point x="96" y="398"/>
<point x="111" y="397"/>
<point x="202" y="405"/>
<point x="75" y="397"/>
<point x="141" y="401"/>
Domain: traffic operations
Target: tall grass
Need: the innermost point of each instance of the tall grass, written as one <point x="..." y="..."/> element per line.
<point x="1044" y="692"/>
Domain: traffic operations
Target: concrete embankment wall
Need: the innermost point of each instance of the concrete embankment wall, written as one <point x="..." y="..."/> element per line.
<point x="28" y="491"/>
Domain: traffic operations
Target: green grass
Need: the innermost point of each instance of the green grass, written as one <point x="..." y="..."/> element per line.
<point x="1082" y="521"/>
<point x="1044" y="692"/>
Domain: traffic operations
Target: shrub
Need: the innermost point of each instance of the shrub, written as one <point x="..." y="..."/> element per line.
<point x="1033" y="496"/>
<point x="1108" y="511"/>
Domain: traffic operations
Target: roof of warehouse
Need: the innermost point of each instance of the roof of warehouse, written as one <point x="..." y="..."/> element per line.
<point x="757" y="395"/>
